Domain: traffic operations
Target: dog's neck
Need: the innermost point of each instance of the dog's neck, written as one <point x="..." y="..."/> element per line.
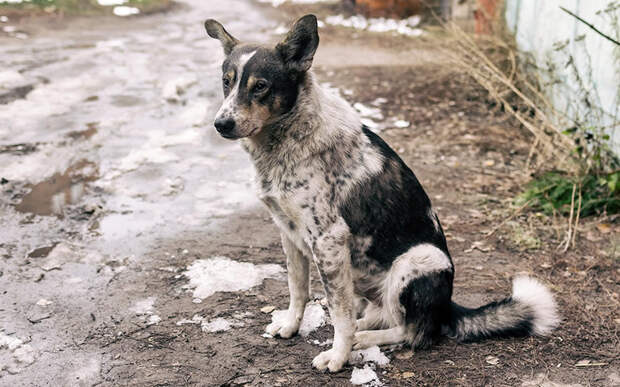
<point x="319" y="121"/>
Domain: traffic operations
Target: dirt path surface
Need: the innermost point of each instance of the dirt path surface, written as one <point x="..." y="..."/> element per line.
<point x="123" y="216"/>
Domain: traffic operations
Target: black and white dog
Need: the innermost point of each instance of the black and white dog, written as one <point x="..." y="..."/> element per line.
<point x="346" y="202"/>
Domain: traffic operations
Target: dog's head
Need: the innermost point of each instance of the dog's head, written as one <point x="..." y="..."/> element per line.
<point x="261" y="83"/>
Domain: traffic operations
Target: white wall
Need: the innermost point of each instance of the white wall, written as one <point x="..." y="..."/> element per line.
<point x="540" y="25"/>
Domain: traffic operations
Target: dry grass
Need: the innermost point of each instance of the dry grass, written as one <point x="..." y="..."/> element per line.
<point x="493" y="63"/>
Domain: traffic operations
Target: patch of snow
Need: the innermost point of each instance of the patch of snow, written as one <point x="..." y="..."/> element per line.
<point x="368" y="112"/>
<point x="280" y="30"/>
<point x="143" y="306"/>
<point x="402" y="27"/>
<point x="322" y="343"/>
<point x="125" y="11"/>
<point x="402" y="124"/>
<point x="10" y="79"/>
<point x="369" y="123"/>
<point x="379" y="101"/>
<point x="216" y="325"/>
<point x="107" y="3"/>
<point x="174" y="88"/>
<point x="9" y="29"/>
<point x="194" y="114"/>
<point x="372" y="354"/>
<point x="153" y="320"/>
<point x="221" y="274"/>
<point x="11" y="1"/>
<point x="277" y="3"/>
<point x="4" y="19"/>
<point x="15" y="355"/>
<point x="44" y="302"/>
<point x="314" y="318"/>
<point x="366" y="376"/>
<point x="196" y="319"/>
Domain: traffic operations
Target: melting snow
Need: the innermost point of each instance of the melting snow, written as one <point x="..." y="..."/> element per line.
<point x="403" y="27"/>
<point x="401" y="124"/>
<point x="277" y="3"/>
<point x="221" y="274"/>
<point x="106" y="3"/>
<point x="153" y="319"/>
<point x="216" y="325"/>
<point x="196" y="319"/>
<point x="144" y="306"/>
<point x="370" y="112"/>
<point x="314" y="318"/>
<point x="125" y="11"/>
<point x="14" y="354"/>
<point x="365" y="376"/>
<point x="372" y="354"/>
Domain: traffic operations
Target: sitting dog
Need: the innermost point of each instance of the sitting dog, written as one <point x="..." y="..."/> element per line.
<point x="345" y="201"/>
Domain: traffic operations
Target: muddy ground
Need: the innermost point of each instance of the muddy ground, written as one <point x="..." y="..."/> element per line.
<point x="113" y="185"/>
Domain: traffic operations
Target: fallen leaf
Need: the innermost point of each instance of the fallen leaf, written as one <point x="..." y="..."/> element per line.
<point x="478" y="245"/>
<point x="450" y="362"/>
<point x="407" y="375"/>
<point x="489" y="163"/>
<point x="492" y="360"/>
<point x="604" y="227"/>
<point x="404" y="355"/>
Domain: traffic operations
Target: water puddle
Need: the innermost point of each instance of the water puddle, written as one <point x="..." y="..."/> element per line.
<point x="49" y="197"/>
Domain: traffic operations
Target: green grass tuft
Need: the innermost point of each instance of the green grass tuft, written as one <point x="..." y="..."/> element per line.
<point x="552" y="193"/>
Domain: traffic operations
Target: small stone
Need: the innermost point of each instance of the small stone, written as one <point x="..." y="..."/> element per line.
<point x="492" y="360"/>
<point x="267" y="309"/>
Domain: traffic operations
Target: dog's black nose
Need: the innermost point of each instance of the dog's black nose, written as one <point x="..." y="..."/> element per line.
<point x="224" y="125"/>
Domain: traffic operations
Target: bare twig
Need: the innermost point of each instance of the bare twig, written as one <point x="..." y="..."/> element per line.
<point x="566" y="241"/>
<point x="591" y="26"/>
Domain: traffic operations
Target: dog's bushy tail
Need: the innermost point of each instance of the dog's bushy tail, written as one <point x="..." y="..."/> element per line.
<point x="531" y="310"/>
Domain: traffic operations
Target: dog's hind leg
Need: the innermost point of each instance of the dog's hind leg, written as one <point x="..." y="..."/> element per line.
<point x="365" y="339"/>
<point x="371" y="318"/>
<point x="298" y="267"/>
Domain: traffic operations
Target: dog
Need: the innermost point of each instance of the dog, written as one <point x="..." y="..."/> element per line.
<point x="345" y="201"/>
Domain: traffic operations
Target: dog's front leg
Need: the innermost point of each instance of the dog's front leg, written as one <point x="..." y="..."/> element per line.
<point x="298" y="267"/>
<point x="333" y="260"/>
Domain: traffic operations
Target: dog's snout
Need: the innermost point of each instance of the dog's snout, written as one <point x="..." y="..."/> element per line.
<point x="224" y="125"/>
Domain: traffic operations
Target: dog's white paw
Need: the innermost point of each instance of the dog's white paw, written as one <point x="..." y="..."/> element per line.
<point x="362" y="340"/>
<point x="282" y="329"/>
<point x="330" y="359"/>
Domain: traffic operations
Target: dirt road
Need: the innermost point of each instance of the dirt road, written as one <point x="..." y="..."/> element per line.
<point x="133" y="251"/>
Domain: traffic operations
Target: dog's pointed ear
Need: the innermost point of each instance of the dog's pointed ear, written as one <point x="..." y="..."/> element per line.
<point x="217" y="31"/>
<point x="298" y="47"/>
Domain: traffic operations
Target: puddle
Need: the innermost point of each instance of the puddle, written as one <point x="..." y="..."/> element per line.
<point x="91" y="129"/>
<point x="51" y="196"/>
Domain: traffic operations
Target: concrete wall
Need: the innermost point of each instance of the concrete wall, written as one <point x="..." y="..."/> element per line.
<point x="553" y="37"/>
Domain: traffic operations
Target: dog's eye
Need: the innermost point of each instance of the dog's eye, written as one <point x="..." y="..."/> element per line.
<point x="260" y="86"/>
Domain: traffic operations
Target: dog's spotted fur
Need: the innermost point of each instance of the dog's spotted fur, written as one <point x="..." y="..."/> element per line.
<point x="345" y="201"/>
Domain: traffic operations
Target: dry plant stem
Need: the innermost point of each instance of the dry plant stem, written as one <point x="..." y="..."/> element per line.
<point x="576" y="218"/>
<point x="469" y="55"/>
<point x="567" y="240"/>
